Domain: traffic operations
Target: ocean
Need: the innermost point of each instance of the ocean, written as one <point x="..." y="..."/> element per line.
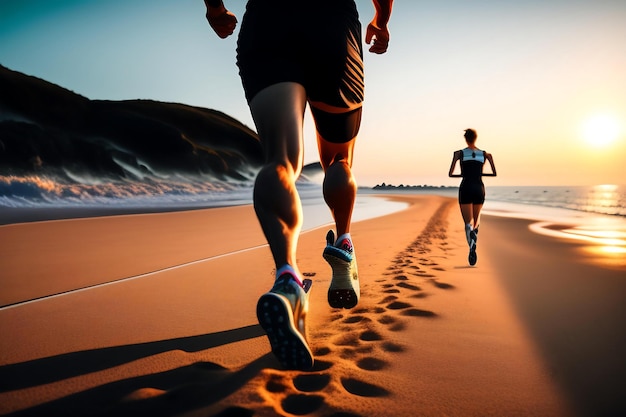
<point x="38" y="199"/>
<point x="41" y="193"/>
<point x="599" y="199"/>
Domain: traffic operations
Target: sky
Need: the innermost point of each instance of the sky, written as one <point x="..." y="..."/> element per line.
<point x="543" y="82"/>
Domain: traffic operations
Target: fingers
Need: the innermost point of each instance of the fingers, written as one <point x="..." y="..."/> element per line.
<point x="223" y="24"/>
<point x="379" y="38"/>
<point x="379" y="47"/>
<point x="369" y="34"/>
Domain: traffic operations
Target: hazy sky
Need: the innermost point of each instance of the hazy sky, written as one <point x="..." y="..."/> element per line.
<point x="530" y="76"/>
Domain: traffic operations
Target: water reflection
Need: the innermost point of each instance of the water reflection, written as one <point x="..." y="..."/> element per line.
<point x="605" y="238"/>
<point x="603" y="199"/>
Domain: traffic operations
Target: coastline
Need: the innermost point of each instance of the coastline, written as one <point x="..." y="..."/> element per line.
<point x="430" y="336"/>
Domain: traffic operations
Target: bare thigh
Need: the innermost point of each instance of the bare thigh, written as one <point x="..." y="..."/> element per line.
<point x="278" y="113"/>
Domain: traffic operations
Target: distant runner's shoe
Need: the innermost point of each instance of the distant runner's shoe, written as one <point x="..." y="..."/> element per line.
<point x="344" y="291"/>
<point x="282" y="314"/>
<point x="472" y="258"/>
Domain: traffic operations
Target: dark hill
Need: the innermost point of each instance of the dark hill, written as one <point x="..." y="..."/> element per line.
<point x="48" y="130"/>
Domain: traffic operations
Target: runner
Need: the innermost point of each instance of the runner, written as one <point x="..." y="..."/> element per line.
<point x="472" y="189"/>
<point x="290" y="54"/>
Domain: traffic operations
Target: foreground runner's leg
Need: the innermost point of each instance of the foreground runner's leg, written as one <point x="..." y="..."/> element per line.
<point x="340" y="194"/>
<point x="344" y="290"/>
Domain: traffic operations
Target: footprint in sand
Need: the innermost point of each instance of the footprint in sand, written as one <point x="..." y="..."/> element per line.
<point x="419" y="295"/>
<point x="301" y="404"/>
<point x="388" y="299"/>
<point x="415" y="312"/>
<point x="276" y="384"/>
<point x="311" y="382"/>
<point x="372" y="364"/>
<point x="356" y="319"/>
<point x="408" y="286"/>
<point x="370" y="336"/>
<point x="349" y="339"/>
<point x="321" y="351"/>
<point x="392" y="347"/>
<point x="398" y="305"/>
<point x="235" y="412"/>
<point x="363" y="389"/>
<point x="392" y="323"/>
<point x="442" y="285"/>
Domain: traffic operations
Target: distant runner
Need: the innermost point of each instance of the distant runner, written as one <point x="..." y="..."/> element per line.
<point x="472" y="189"/>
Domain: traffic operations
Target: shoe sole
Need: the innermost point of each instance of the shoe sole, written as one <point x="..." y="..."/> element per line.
<point x="288" y="345"/>
<point x="472" y="257"/>
<point x="341" y="293"/>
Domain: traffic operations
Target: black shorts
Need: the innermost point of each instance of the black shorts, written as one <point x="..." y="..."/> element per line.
<point x="472" y="193"/>
<point x="300" y="41"/>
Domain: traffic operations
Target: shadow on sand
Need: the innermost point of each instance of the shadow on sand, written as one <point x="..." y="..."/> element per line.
<point x="162" y="394"/>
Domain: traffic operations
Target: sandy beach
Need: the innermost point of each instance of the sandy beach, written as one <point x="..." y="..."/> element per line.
<point x="154" y="314"/>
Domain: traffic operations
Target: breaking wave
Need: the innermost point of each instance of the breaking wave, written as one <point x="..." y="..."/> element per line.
<point x="41" y="191"/>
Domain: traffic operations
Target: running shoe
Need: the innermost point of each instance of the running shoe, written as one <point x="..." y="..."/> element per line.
<point x="344" y="289"/>
<point x="282" y="314"/>
<point x="472" y="258"/>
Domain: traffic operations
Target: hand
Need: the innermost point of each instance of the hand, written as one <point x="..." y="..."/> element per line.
<point x="222" y="21"/>
<point x="380" y="38"/>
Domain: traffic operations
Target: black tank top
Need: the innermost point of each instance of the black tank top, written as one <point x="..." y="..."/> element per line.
<point x="472" y="161"/>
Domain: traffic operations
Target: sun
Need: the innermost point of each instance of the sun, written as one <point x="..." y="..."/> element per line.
<point x="601" y="130"/>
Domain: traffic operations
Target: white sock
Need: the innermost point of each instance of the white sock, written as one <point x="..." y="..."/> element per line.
<point x="342" y="237"/>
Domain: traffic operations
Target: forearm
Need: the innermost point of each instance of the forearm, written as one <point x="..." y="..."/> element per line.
<point x="214" y="7"/>
<point x="453" y="165"/>
<point x="493" y="165"/>
<point x="214" y="3"/>
<point x="383" y="12"/>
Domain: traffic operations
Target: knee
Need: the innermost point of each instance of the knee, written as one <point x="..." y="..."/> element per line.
<point x="339" y="160"/>
<point x="272" y="171"/>
<point x="339" y="174"/>
<point x="338" y="166"/>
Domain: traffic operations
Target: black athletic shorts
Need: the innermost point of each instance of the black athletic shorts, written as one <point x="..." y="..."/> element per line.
<point x="314" y="43"/>
<point x="471" y="193"/>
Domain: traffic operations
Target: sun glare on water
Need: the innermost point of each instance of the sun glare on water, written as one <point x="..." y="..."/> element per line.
<point x="601" y="130"/>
